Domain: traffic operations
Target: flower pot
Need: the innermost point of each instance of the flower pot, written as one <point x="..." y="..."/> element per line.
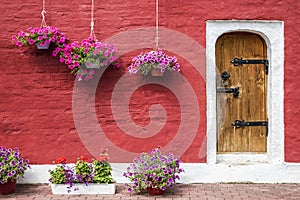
<point x="81" y="188"/>
<point x="92" y="65"/>
<point x="155" y="191"/>
<point x="156" y="72"/>
<point x="45" y="46"/>
<point x="8" y="187"/>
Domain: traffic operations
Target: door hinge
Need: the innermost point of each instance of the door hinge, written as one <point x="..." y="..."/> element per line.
<point x="238" y="62"/>
<point x="242" y="123"/>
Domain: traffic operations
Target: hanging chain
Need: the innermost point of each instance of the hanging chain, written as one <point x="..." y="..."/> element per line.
<point x="43" y="24"/>
<point x="156" y="37"/>
<point x="92" y="21"/>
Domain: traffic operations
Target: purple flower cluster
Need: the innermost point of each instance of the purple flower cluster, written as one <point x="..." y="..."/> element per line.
<point x="153" y="170"/>
<point x="63" y="174"/>
<point x="83" y="57"/>
<point x="12" y="165"/>
<point x="42" y="36"/>
<point x="144" y="63"/>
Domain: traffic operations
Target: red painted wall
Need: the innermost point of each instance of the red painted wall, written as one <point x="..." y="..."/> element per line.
<point x="36" y="90"/>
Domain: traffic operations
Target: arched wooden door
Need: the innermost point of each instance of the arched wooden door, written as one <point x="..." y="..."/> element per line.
<point x="242" y="75"/>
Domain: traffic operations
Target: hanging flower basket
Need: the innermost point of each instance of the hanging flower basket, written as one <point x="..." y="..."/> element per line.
<point x="156" y="72"/>
<point x="82" y="59"/>
<point x="156" y="62"/>
<point x="42" y="46"/>
<point x="41" y="37"/>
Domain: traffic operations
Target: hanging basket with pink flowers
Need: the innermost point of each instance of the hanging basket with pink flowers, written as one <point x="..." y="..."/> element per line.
<point x="86" y="57"/>
<point x="41" y="37"/>
<point x="154" y="62"/>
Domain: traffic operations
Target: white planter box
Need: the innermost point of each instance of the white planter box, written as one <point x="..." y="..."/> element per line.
<point x="92" y="188"/>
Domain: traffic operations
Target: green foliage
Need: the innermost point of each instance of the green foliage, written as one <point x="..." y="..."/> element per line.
<point x="83" y="171"/>
<point x="58" y="175"/>
<point x="98" y="171"/>
<point x="146" y="68"/>
<point x="102" y="172"/>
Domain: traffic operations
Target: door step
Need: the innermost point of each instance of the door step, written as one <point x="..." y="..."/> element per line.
<point x="242" y="158"/>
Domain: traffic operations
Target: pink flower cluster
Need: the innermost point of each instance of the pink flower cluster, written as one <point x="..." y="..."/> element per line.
<point x="143" y="63"/>
<point x="42" y="36"/>
<point x="81" y="58"/>
<point x="84" y="57"/>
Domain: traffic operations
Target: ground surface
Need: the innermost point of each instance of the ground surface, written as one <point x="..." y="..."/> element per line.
<point x="181" y="192"/>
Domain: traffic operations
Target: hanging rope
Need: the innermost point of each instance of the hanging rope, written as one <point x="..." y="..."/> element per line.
<point x="92" y="21"/>
<point x="156" y="38"/>
<point x="43" y="24"/>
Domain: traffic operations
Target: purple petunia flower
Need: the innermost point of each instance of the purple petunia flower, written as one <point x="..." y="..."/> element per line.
<point x="154" y="169"/>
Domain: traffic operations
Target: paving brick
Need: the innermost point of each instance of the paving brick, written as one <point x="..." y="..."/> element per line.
<point x="181" y="198"/>
<point x="77" y="197"/>
<point x="94" y="198"/>
<point x="163" y="198"/>
<point x="181" y="192"/>
<point x="7" y="198"/>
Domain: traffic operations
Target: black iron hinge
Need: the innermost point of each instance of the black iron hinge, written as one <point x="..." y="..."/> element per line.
<point x="238" y="62"/>
<point x="242" y="123"/>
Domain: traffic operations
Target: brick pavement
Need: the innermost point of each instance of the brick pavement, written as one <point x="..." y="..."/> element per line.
<point x="180" y="192"/>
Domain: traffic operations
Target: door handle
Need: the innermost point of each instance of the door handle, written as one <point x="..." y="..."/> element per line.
<point x="235" y="91"/>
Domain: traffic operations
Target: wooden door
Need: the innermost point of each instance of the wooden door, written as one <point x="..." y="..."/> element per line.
<point x="241" y="93"/>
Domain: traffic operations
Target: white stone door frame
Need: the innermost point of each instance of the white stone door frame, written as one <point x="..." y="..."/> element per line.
<point x="273" y="34"/>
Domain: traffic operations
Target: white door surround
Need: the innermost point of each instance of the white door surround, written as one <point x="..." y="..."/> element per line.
<point x="273" y="34"/>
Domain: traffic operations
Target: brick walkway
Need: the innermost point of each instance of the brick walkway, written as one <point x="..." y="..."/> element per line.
<point x="181" y="192"/>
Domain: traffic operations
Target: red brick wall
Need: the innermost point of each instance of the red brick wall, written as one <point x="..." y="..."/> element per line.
<point x="36" y="90"/>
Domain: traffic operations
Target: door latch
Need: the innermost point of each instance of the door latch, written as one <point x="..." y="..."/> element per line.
<point x="235" y="91"/>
